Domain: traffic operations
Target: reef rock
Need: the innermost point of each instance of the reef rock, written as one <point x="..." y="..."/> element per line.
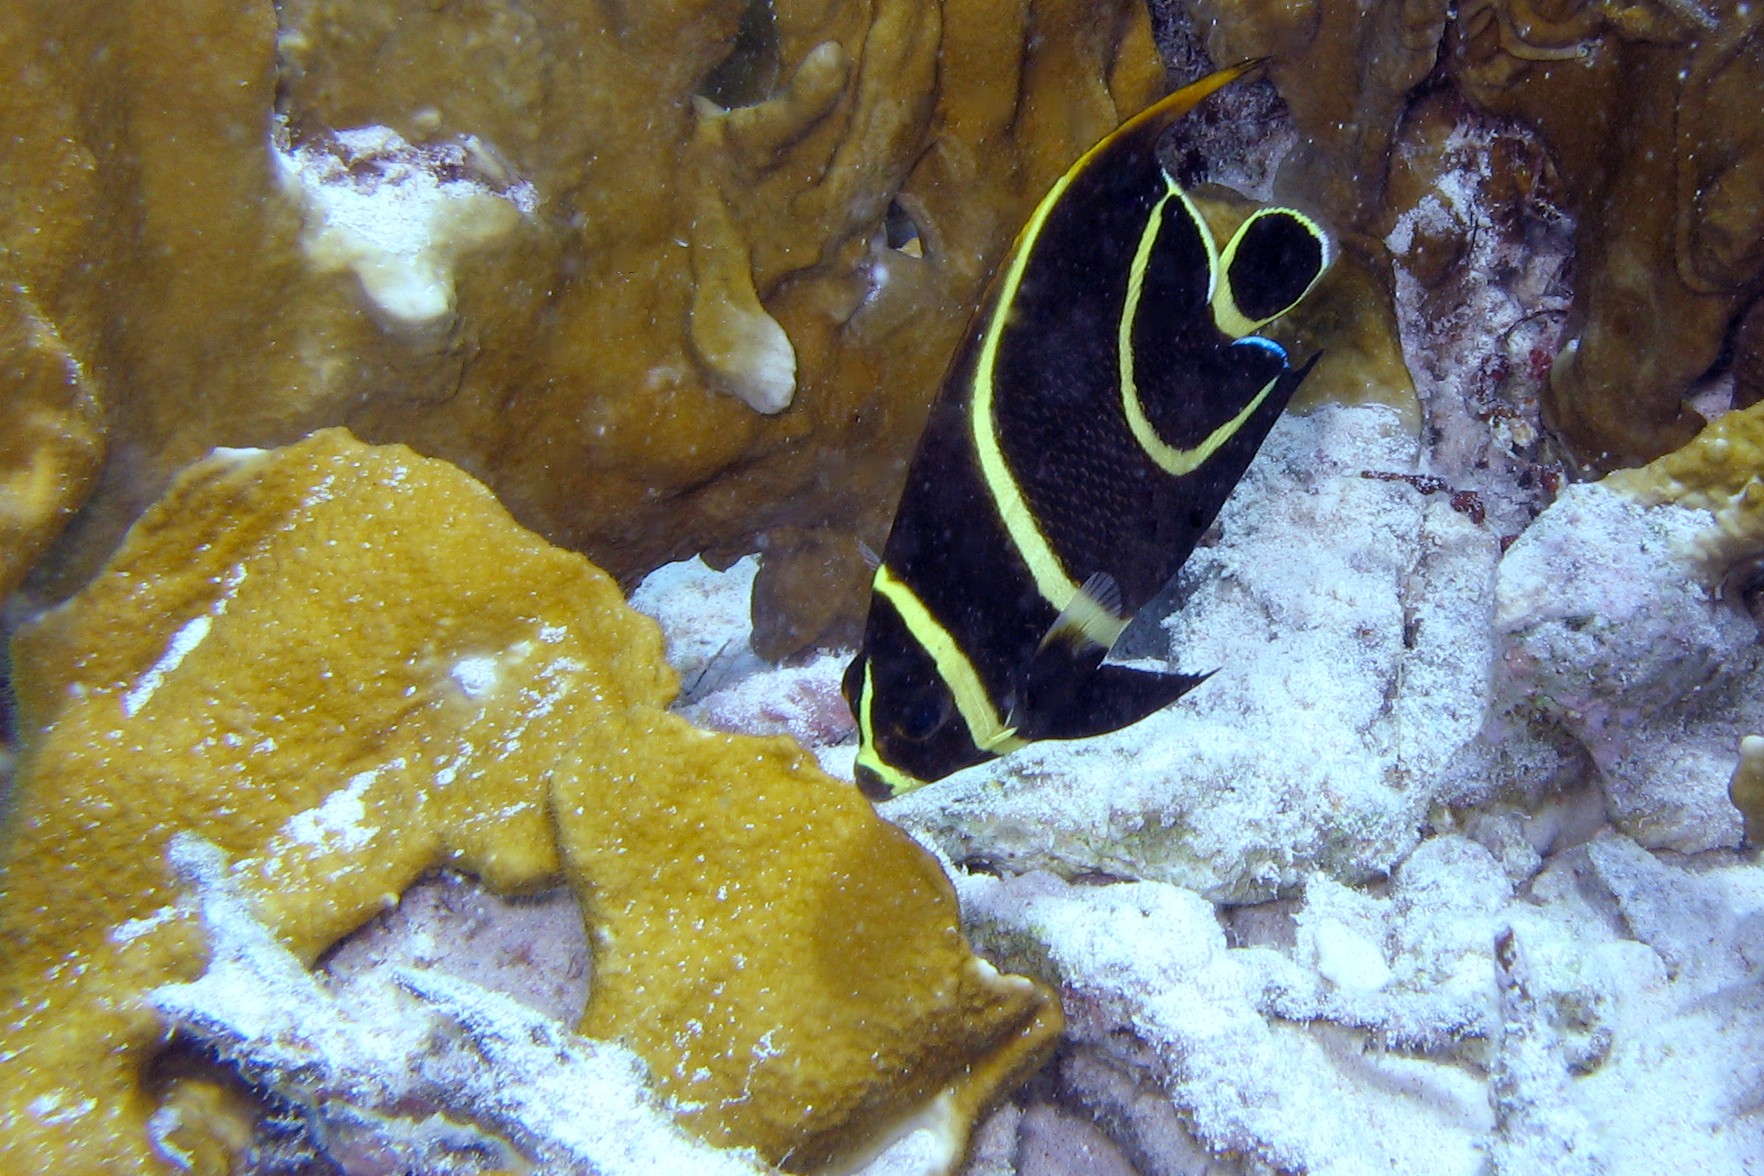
<point x="1341" y="701"/>
<point x="1620" y="621"/>
<point x="1651" y="112"/>
<point x="1602" y="1021"/>
<point x="343" y="667"/>
<point x="668" y="278"/>
<point x="1400" y="887"/>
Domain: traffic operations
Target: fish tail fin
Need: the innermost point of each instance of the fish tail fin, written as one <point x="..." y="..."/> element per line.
<point x="1094" y="699"/>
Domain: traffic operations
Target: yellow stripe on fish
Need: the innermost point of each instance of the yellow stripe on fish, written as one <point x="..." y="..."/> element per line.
<point x="1110" y="394"/>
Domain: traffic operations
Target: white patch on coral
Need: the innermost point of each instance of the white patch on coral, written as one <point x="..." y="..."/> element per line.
<point x="476" y="676"/>
<point x="448" y="772"/>
<point x="129" y="930"/>
<point x="182" y="644"/>
<point x="239" y="455"/>
<point x="766" y="375"/>
<point x="58" y="1108"/>
<point x="399" y="216"/>
<point x="339" y="824"/>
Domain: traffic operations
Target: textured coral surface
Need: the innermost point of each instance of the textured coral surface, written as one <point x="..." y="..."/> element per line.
<point x="627" y="266"/>
<point x="344" y="666"/>
<point x="1648" y="115"/>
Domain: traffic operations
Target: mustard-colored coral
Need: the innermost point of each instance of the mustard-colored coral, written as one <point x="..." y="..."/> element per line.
<point x="345" y="666"/>
<point x="622" y="271"/>
<point x="52" y="440"/>
<point x="1747" y="787"/>
<point x="1651" y="111"/>
<point x="1721" y="471"/>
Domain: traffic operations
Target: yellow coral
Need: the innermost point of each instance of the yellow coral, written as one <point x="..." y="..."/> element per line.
<point x="51" y="434"/>
<point x="577" y="345"/>
<point x="1720" y="472"/>
<point x="1746" y="790"/>
<point x="345" y="666"/>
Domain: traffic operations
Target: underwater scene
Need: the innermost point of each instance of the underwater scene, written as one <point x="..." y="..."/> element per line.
<point x="1004" y="588"/>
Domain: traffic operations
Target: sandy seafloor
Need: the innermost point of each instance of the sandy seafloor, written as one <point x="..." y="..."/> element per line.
<point x="1435" y="874"/>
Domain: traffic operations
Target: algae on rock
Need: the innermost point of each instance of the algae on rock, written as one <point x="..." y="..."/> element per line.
<point x="344" y="666"/>
<point x="1652" y="112"/>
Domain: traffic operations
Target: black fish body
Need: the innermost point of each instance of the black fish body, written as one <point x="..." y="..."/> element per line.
<point x="1108" y="396"/>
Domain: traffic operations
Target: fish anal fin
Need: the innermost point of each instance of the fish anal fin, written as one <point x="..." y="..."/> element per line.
<point x="1106" y="699"/>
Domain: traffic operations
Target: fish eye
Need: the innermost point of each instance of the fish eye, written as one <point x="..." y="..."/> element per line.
<point x="924" y="716"/>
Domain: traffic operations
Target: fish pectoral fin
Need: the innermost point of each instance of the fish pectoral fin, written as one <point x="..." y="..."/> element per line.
<point x="1001" y="741"/>
<point x="1107" y="698"/>
<point x="1091" y="619"/>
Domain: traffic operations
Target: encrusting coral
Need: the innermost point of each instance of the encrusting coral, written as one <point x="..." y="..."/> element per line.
<point x="1722" y="472"/>
<point x="1649" y="115"/>
<point x="50" y="453"/>
<point x="1746" y="789"/>
<point x="344" y="666"/>
<point x="670" y="278"/>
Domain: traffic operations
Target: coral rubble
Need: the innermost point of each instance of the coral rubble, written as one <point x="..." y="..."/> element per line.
<point x="1624" y="614"/>
<point x="345" y="666"/>
<point x="1610" y="629"/>
<point x="1438" y="871"/>
<point x="1602" y="1022"/>
<point x="669" y="279"/>
<point x="1389" y="694"/>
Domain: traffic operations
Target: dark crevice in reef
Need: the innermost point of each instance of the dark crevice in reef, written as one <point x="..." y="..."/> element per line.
<point x="749" y="74"/>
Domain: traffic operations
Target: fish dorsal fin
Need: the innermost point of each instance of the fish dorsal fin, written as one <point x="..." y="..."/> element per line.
<point x="1091" y="619"/>
<point x="868" y="555"/>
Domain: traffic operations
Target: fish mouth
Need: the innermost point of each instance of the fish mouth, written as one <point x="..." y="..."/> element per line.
<point x="871" y="784"/>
